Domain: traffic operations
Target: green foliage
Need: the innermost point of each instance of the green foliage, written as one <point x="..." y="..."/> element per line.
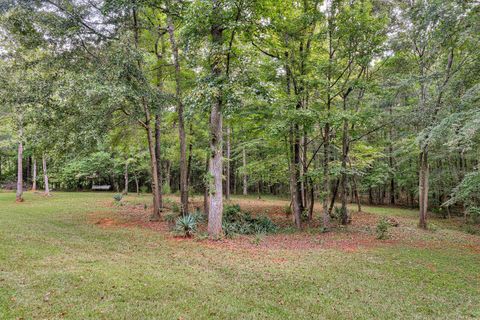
<point x="170" y="217"/>
<point x="118" y="197"/>
<point x="382" y="228"/>
<point x="175" y="207"/>
<point x="186" y="225"/>
<point x="237" y="222"/>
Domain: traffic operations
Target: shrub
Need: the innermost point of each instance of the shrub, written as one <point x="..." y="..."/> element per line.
<point x="474" y="213"/>
<point x="257" y="239"/>
<point x="143" y="189"/>
<point x="288" y="210"/>
<point x="237" y="222"/>
<point x="170" y="218"/>
<point x="118" y="197"/>
<point x="199" y="216"/>
<point x="166" y="188"/>
<point x="186" y="225"/>
<point x="175" y="207"/>
<point x="468" y="228"/>
<point x="382" y="229"/>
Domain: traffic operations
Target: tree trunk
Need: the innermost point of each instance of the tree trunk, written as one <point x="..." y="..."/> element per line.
<point x="334" y="196"/>
<point x="19" y="194"/>
<point x="295" y="188"/>
<point x="155" y="183"/>
<point x="181" y="125"/>
<point x="245" y="182"/>
<point x="45" y="176"/>
<point x="125" y="190"/>
<point x="158" y="145"/>
<point x="227" y="169"/>
<point x="216" y="135"/>
<point x="34" y="177"/>
<point x="136" y="184"/>
<point x="344" y="210"/>
<point x="423" y="188"/>
<point x="206" y="184"/>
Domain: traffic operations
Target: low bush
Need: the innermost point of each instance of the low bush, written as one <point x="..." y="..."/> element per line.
<point x="117" y="197"/>
<point x="175" y="207"/>
<point x="288" y="211"/>
<point x="237" y="222"/>
<point x="382" y="229"/>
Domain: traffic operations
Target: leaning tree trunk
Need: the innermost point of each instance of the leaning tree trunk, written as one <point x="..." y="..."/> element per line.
<point x="45" y="175"/>
<point x="423" y="188"/>
<point x="34" y="177"/>
<point x="155" y="183"/>
<point x="19" y="194"/>
<point x="181" y="124"/>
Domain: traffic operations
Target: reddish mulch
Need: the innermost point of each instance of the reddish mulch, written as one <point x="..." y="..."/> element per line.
<point x="359" y="235"/>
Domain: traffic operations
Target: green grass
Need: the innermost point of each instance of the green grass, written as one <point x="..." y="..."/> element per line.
<point x="55" y="264"/>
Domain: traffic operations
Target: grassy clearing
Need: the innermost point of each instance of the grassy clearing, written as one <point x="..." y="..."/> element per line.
<point x="55" y="264"/>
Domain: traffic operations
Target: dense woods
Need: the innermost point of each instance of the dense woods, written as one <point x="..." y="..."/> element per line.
<point x="331" y="102"/>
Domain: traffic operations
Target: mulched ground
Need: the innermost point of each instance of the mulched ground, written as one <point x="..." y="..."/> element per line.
<point x="359" y="235"/>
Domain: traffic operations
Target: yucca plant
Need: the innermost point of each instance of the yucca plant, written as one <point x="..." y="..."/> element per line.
<point x="186" y="226"/>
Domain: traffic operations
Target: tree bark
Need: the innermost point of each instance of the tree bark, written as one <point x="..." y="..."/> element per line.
<point x="136" y="184"/>
<point x="19" y="193"/>
<point x="227" y="169"/>
<point x="125" y="190"/>
<point x="206" y="184"/>
<point x="34" y="177"/>
<point x="181" y="124"/>
<point x="245" y="182"/>
<point x="216" y="134"/>
<point x="45" y="175"/>
<point x="150" y="136"/>
<point x="326" y="177"/>
<point x="158" y="150"/>
<point x="423" y="188"/>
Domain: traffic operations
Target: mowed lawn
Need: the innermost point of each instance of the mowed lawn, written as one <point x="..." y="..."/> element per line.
<point x="56" y="264"/>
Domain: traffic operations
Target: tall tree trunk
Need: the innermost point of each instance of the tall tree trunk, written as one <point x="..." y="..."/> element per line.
<point x="216" y="134"/>
<point x="326" y="176"/>
<point x="137" y="187"/>
<point x="19" y="194"/>
<point x="34" y="177"/>
<point x="245" y="182"/>
<point x="125" y="190"/>
<point x="45" y="175"/>
<point x="181" y="125"/>
<point x="423" y="188"/>
<point x="295" y="187"/>
<point x="227" y="165"/>
<point x="334" y="196"/>
<point x="344" y="178"/>
<point x="158" y="150"/>
<point x="27" y="170"/>
<point x="150" y="135"/>
<point x="155" y="183"/>
<point x="206" y="185"/>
